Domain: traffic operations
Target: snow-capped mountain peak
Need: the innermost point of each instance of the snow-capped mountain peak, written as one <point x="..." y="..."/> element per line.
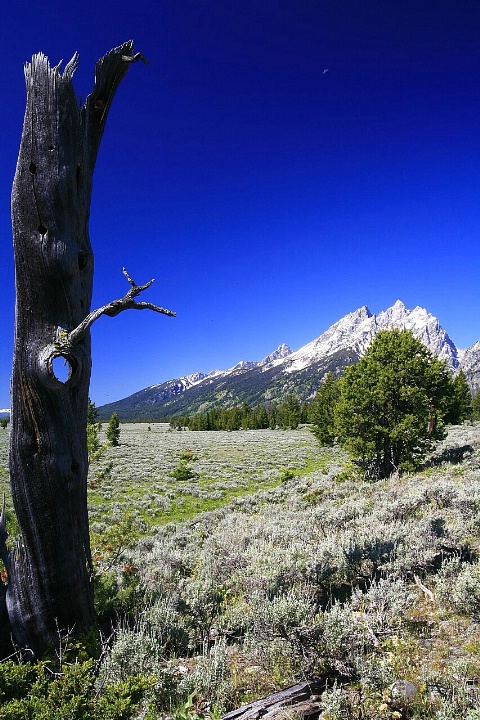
<point x="424" y="326"/>
<point x="281" y="352"/>
<point x="470" y="364"/>
<point x="300" y="372"/>
<point x="243" y="365"/>
<point x="356" y="331"/>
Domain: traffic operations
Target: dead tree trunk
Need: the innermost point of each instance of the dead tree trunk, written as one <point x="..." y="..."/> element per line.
<point x="303" y="700"/>
<point x="49" y="587"/>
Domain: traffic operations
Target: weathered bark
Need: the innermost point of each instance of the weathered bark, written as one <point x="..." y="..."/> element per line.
<point x="302" y="699"/>
<point x="49" y="572"/>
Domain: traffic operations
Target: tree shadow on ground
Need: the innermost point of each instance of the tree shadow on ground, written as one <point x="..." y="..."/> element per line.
<point x="452" y="455"/>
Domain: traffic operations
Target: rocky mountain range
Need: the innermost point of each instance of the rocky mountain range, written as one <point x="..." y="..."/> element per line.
<point x="301" y="372"/>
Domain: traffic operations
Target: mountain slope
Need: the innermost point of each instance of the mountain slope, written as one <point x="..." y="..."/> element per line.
<point x="284" y="371"/>
<point x="470" y="364"/>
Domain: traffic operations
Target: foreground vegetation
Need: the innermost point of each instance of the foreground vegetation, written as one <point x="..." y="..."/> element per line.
<point x="272" y="562"/>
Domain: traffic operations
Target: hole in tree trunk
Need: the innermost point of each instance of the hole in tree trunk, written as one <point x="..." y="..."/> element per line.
<point x="33" y="168"/>
<point x="61" y="368"/>
<point x="42" y="229"/>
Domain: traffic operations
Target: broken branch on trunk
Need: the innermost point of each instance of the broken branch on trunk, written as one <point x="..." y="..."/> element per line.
<point x="135" y="58"/>
<point x="65" y="340"/>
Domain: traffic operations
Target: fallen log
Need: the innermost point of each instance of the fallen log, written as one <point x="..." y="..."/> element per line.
<point x="303" y="698"/>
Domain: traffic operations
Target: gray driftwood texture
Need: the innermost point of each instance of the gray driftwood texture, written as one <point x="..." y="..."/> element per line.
<point x="49" y="588"/>
<point x="302" y="700"/>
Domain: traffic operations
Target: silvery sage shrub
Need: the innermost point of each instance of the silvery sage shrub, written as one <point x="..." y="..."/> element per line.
<point x="335" y="703"/>
<point x="135" y="651"/>
<point x="342" y="639"/>
<point x="384" y="604"/>
<point x="166" y="624"/>
<point x="458" y="585"/>
<point x="455" y="690"/>
<point x="283" y="614"/>
<point x="210" y="677"/>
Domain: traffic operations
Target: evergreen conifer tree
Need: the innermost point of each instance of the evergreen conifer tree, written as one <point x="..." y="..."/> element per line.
<point x="289" y="413"/>
<point x="113" y="430"/>
<point x="461" y="404"/>
<point x="93" y="443"/>
<point x="273" y="415"/>
<point x="476" y="405"/>
<point x="322" y="410"/>
<point x="262" y="417"/>
<point x="392" y="404"/>
<point x="92" y="413"/>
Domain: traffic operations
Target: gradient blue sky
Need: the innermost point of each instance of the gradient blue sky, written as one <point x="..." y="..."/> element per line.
<point x="276" y="165"/>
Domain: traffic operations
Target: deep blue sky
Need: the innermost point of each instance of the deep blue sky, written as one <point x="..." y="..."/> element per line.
<point x="276" y="165"/>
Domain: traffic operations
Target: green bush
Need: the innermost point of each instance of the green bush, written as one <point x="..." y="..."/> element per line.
<point x="287" y="474"/>
<point x="116" y="598"/>
<point x="183" y="472"/>
<point x="34" y="692"/>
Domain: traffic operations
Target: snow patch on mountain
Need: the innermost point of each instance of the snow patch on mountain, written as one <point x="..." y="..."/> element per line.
<point x="356" y="328"/>
<point x="243" y="365"/>
<point x="356" y="331"/>
<point x="185" y="381"/>
<point x="470" y="356"/>
<point x="470" y="364"/>
<point x="281" y="352"/>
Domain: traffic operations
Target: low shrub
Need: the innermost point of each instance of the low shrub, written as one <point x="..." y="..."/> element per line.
<point x="183" y="472"/>
<point x="458" y="586"/>
<point x="33" y="691"/>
